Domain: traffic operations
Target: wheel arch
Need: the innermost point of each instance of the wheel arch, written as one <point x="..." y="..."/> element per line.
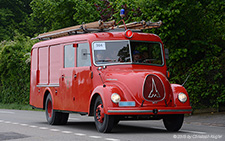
<point x="92" y="103"/>
<point x="105" y="94"/>
<point x="176" y="89"/>
<point x="47" y="92"/>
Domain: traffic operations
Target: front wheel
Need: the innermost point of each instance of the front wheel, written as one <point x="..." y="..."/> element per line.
<point x="103" y="122"/>
<point x="173" y="123"/>
<point x="53" y="117"/>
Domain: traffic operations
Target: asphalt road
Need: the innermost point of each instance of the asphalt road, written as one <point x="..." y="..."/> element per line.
<point x="32" y="126"/>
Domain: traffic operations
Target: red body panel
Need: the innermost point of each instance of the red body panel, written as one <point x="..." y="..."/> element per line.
<point x="74" y="89"/>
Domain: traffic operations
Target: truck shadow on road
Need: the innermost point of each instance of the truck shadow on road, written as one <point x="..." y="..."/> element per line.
<point x="81" y="125"/>
<point x="132" y="129"/>
<point x="120" y="128"/>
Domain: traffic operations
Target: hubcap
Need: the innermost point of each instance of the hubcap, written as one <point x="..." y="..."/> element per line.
<point x="100" y="113"/>
<point x="49" y="108"/>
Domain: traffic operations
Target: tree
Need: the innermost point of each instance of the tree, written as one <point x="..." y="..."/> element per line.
<point x="193" y="31"/>
<point x="52" y="14"/>
<point x="14" y="16"/>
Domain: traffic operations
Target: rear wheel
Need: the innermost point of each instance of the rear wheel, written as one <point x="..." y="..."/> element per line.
<point x="53" y="117"/>
<point x="173" y="123"/>
<point x="104" y="123"/>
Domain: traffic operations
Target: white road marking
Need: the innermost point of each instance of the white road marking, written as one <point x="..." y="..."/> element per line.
<point x="111" y="139"/>
<point x="195" y="132"/>
<point x="33" y="126"/>
<point x="67" y="132"/>
<point x="6" y="112"/>
<point x="7" y="122"/>
<point x="80" y="134"/>
<point x="55" y="130"/>
<point x="43" y="128"/>
<point x="95" y="137"/>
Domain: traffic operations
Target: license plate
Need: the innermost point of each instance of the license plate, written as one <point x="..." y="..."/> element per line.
<point x="129" y="103"/>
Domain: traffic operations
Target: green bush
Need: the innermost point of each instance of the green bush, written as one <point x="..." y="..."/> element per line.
<point x="15" y="70"/>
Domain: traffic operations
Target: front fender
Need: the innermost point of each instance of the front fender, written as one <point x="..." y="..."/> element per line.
<point x="105" y="94"/>
<point x="176" y="88"/>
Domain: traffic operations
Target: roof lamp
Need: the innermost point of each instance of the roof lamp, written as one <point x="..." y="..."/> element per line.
<point x="122" y="13"/>
<point x="129" y="33"/>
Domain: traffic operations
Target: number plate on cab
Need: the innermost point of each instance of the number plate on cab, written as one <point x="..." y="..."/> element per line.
<point x="126" y="104"/>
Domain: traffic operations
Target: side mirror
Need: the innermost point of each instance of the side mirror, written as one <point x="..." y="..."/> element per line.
<point x="167" y="53"/>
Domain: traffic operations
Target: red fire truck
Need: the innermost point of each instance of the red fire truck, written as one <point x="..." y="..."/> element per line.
<point x="110" y="72"/>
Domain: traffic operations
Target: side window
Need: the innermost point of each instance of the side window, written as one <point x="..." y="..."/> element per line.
<point x="43" y="65"/>
<point x="83" y="55"/>
<point x="69" y="56"/>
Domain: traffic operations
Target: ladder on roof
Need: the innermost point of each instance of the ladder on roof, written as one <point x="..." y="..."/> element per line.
<point x="97" y="26"/>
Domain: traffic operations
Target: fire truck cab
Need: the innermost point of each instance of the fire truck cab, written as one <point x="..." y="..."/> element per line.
<point x="113" y="76"/>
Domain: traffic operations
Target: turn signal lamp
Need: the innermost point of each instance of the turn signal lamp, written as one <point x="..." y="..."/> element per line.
<point x="129" y="33"/>
<point x="168" y="74"/>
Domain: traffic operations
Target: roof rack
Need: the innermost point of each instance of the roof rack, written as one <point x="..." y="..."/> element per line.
<point x="98" y="26"/>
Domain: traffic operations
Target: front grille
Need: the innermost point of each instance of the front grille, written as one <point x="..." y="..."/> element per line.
<point x="153" y="89"/>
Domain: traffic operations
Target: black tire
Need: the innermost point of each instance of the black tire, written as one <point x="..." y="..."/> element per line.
<point x="173" y="123"/>
<point x="53" y="117"/>
<point x="104" y="124"/>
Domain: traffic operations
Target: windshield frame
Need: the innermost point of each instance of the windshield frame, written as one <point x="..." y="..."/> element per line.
<point x="130" y="54"/>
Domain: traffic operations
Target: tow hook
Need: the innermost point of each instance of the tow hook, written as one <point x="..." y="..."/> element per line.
<point x="155" y="111"/>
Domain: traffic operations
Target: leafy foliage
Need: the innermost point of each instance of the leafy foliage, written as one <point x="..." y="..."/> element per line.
<point x="14" y="16"/>
<point x="192" y="30"/>
<point x="14" y="71"/>
<point x="53" y="14"/>
<point x="111" y="10"/>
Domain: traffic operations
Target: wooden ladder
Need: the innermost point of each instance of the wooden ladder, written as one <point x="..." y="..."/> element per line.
<point x="98" y="26"/>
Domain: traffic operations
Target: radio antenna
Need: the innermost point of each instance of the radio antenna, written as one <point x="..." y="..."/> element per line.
<point x="101" y="76"/>
<point x="186" y="79"/>
<point x="102" y="80"/>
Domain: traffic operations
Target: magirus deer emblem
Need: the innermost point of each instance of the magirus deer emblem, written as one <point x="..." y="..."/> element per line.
<point x="154" y="92"/>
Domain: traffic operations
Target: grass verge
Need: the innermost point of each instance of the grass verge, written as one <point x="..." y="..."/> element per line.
<point x="16" y="106"/>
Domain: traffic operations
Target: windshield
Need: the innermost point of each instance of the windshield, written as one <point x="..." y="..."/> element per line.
<point x="125" y="52"/>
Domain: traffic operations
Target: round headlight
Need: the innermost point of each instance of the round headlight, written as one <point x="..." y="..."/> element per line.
<point x="182" y="97"/>
<point x="115" y="98"/>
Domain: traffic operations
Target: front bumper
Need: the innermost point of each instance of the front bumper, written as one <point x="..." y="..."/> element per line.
<point x="149" y="111"/>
